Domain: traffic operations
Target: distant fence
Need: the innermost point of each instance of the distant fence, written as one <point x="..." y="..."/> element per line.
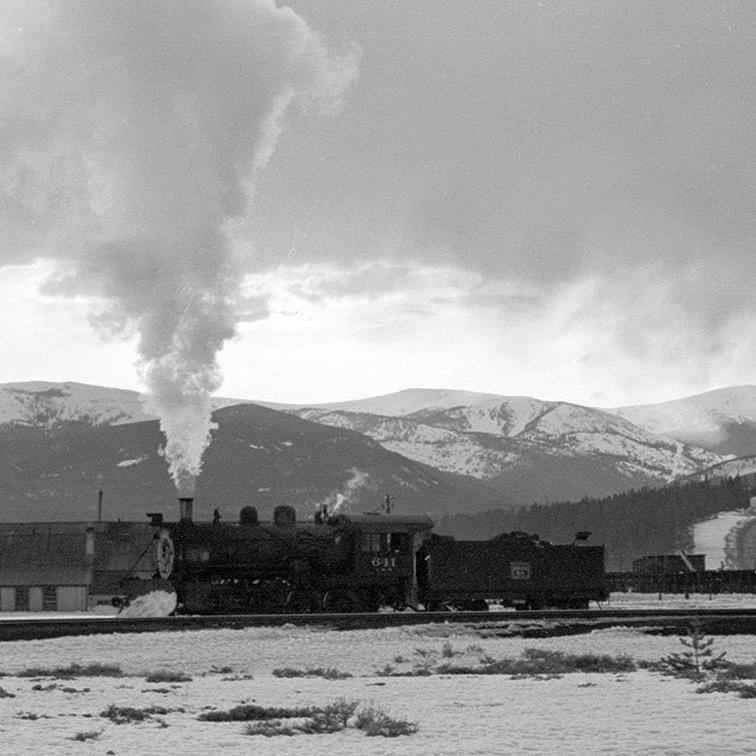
<point x="707" y="581"/>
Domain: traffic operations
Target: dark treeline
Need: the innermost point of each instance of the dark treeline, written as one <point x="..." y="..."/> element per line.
<point x="631" y="524"/>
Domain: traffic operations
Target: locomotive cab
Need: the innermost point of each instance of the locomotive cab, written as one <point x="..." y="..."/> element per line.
<point x="383" y="570"/>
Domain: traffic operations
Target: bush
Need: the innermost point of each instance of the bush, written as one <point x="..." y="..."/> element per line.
<point x="84" y="736"/>
<point x="744" y="690"/>
<point x="95" y="669"/>
<point x="375" y="722"/>
<point x="165" y="676"/>
<point x="270" y="728"/>
<point x="329" y="673"/>
<point x="335" y="717"/>
<point x="541" y="662"/>
<point x="733" y="671"/>
<point x="127" y="714"/>
<point x="340" y="711"/>
<point x="253" y="712"/>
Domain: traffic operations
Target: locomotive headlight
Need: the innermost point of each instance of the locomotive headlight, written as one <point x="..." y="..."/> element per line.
<point x="166" y="553"/>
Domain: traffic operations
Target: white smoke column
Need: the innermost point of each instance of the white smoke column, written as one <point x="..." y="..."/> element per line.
<point x="132" y="134"/>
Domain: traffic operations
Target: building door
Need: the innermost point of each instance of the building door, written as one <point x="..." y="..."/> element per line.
<point x="35" y="598"/>
<point x="72" y="598"/>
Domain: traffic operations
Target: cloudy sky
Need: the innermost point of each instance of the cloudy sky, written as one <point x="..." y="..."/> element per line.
<point x="345" y="198"/>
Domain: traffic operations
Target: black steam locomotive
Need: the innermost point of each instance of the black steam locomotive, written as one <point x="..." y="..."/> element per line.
<point x="360" y="562"/>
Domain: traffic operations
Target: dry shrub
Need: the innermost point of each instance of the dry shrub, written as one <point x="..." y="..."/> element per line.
<point x="270" y="728"/>
<point x="535" y="661"/>
<point x="128" y="714"/>
<point x="376" y="722"/>
<point x="253" y="712"/>
<point x="95" y="669"/>
<point x="84" y="736"/>
<point x="328" y="673"/>
<point x="166" y="676"/>
<point x="743" y="689"/>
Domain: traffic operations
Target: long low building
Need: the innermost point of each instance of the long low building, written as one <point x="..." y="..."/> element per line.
<point x="69" y="566"/>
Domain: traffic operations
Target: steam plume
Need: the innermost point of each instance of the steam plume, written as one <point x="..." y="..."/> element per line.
<point x="133" y="135"/>
<point x="338" y="502"/>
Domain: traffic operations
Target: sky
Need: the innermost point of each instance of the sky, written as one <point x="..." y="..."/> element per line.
<point x="342" y="198"/>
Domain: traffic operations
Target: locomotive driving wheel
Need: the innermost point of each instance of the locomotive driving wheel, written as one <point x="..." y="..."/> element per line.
<point x="299" y="601"/>
<point x="340" y="601"/>
<point x="267" y="598"/>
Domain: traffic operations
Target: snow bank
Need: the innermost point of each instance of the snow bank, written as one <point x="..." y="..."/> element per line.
<point x="154" y="604"/>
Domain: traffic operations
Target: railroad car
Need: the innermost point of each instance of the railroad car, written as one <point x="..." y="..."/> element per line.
<point x="512" y="569"/>
<point x="360" y="562"/>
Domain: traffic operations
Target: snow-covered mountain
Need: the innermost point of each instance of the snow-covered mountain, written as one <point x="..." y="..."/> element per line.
<point x="258" y="456"/>
<point x="723" y="420"/>
<point x="526" y="448"/>
<point x="42" y="404"/>
<point x="543" y="449"/>
<point x="405" y="402"/>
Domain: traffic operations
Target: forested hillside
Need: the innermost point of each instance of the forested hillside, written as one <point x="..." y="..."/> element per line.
<point x="630" y="525"/>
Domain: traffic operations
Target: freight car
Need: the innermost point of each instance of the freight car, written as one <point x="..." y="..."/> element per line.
<point x="360" y="562"/>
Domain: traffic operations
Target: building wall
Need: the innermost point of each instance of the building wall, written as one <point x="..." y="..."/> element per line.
<point x="71" y="598"/>
<point x="47" y="598"/>
<point x="7" y="599"/>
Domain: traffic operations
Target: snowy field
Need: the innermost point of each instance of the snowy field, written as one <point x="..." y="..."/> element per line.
<point x="678" y="601"/>
<point x="638" y="712"/>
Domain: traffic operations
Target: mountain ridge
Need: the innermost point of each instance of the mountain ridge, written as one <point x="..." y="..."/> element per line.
<point x="520" y="449"/>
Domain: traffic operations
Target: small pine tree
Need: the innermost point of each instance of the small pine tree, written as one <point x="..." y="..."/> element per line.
<point x="698" y="657"/>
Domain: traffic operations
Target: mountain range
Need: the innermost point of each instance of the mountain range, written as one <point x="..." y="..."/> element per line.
<point x="432" y="450"/>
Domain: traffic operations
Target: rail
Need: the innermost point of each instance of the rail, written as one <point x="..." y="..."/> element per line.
<point x="528" y="623"/>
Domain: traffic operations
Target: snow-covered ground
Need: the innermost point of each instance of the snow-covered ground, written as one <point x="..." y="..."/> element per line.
<point x="678" y="601"/>
<point x="717" y="538"/>
<point x="632" y="713"/>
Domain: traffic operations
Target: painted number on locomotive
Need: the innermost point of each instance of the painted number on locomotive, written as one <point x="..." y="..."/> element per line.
<point x="386" y="563"/>
<point x="520" y="570"/>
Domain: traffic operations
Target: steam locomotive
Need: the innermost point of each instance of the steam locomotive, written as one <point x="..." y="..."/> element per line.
<point x="360" y="562"/>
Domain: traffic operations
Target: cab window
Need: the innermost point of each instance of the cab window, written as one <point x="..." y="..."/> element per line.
<point x="398" y="541"/>
<point x="374" y="542"/>
<point x="383" y="542"/>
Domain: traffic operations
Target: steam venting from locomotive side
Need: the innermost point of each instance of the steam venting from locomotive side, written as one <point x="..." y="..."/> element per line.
<point x="135" y="134"/>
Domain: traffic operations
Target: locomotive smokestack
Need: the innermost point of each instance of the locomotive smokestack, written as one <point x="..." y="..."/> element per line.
<point x="185" y="508"/>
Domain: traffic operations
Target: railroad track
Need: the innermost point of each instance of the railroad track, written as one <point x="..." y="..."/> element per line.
<point x="526" y="624"/>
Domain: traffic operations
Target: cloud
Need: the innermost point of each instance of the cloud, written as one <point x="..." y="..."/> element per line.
<point x="613" y="143"/>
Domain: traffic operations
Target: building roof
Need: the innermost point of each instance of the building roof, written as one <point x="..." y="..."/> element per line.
<point x="54" y="553"/>
<point x="43" y="554"/>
